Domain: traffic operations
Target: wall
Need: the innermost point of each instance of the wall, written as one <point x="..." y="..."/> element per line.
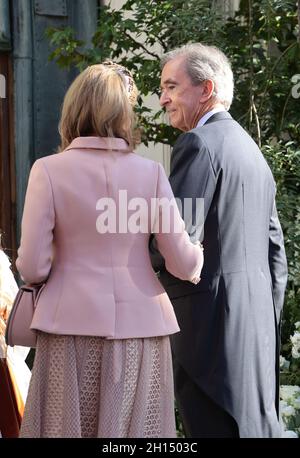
<point x="40" y="85"/>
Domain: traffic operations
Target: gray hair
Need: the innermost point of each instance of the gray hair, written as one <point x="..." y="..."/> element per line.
<point x="205" y="62"/>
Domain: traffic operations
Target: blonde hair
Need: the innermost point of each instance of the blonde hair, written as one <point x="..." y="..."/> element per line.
<point x="98" y="104"/>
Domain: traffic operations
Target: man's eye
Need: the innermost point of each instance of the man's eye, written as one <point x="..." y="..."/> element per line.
<point x="171" y="87"/>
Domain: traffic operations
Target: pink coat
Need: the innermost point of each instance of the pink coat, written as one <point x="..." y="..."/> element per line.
<point x="99" y="284"/>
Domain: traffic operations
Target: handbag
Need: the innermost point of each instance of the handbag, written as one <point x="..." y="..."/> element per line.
<point x="18" y="330"/>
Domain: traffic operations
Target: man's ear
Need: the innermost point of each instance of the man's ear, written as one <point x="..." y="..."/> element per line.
<point x="208" y="87"/>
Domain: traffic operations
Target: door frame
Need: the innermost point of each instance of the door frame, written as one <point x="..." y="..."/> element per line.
<point x="7" y="161"/>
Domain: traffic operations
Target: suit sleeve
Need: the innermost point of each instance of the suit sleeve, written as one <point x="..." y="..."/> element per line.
<point x="277" y="262"/>
<point x="182" y="258"/>
<point x="192" y="176"/>
<point x="35" y="251"/>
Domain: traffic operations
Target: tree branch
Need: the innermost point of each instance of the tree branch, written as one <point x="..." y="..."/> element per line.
<point x="256" y="122"/>
<point x="284" y="110"/>
<point x="142" y="46"/>
<point x="272" y="71"/>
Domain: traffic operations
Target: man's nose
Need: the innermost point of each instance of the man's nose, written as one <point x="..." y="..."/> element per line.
<point x="164" y="99"/>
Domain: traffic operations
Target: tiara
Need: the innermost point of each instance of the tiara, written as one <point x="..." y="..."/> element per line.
<point x="129" y="78"/>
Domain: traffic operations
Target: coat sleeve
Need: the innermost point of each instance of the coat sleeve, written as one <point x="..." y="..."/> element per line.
<point x="192" y="176"/>
<point x="35" y="251"/>
<point x="182" y="258"/>
<point x="277" y="262"/>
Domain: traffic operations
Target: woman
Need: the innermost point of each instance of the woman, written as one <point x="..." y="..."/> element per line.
<point x="103" y="363"/>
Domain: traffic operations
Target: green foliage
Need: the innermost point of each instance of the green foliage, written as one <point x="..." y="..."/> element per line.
<point x="284" y="160"/>
<point x="262" y="38"/>
<point x="262" y="41"/>
<point x="142" y="30"/>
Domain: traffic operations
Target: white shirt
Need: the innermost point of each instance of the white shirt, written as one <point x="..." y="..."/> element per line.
<point x="207" y="115"/>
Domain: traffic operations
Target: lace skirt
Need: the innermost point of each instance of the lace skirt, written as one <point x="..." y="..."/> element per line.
<point x="93" y="387"/>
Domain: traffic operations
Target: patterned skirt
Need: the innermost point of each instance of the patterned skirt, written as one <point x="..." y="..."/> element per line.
<point x="93" y="387"/>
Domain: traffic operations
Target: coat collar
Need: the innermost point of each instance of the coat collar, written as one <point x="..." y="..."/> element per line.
<point x="102" y="143"/>
<point x="221" y="115"/>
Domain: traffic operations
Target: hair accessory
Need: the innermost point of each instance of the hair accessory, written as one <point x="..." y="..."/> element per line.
<point x="124" y="72"/>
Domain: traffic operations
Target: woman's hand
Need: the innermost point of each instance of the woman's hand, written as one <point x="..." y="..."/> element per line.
<point x="195" y="280"/>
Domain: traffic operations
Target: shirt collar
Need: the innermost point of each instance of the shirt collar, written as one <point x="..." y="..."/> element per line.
<point x="103" y="143"/>
<point x="207" y="115"/>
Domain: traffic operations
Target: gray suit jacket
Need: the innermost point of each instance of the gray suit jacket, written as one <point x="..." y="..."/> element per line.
<point x="229" y="339"/>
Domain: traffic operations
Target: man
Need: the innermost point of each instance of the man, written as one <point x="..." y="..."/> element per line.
<point x="226" y="355"/>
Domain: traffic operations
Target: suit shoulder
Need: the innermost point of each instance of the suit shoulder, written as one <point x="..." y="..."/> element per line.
<point x="190" y="143"/>
<point x="197" y="142"/>
<point x="194" y="135"/>
<point x="194" y="141"/>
